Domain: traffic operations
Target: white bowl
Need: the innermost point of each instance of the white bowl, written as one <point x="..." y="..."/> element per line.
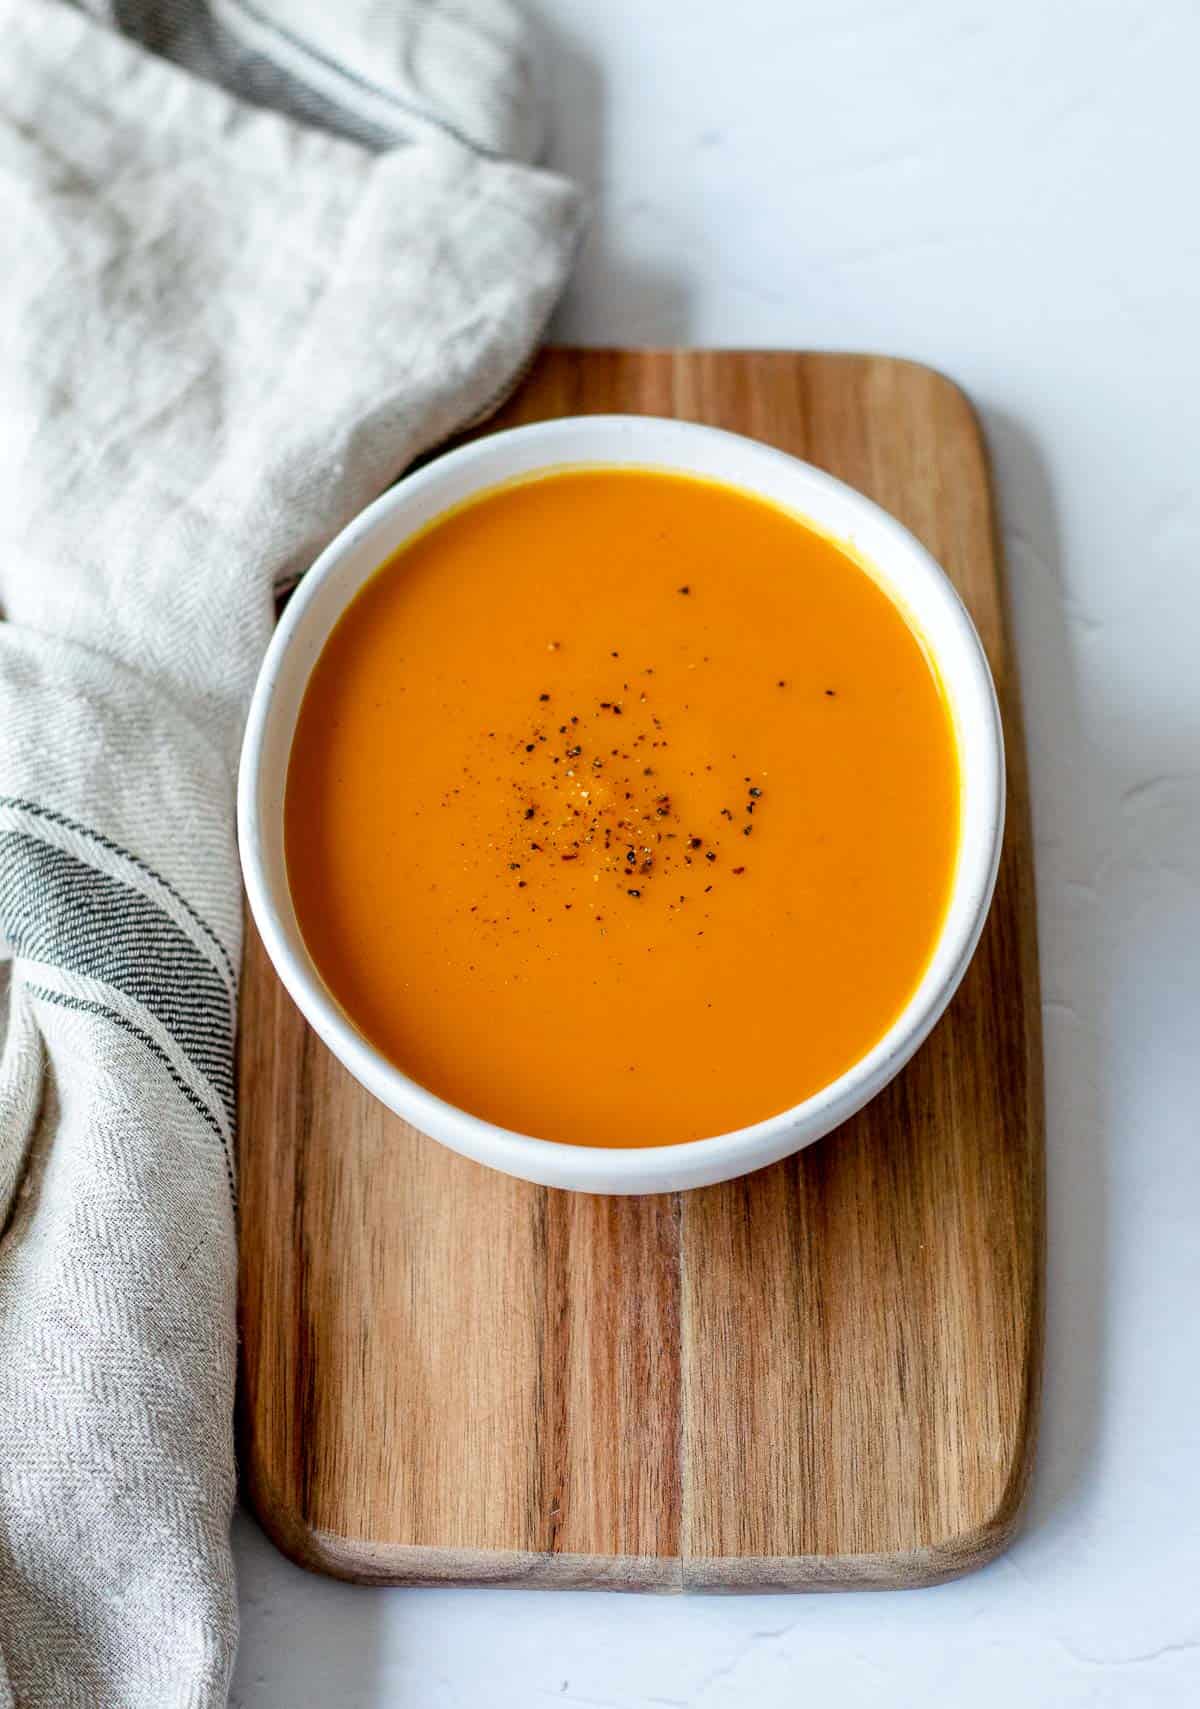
<point x="900" y="563"/>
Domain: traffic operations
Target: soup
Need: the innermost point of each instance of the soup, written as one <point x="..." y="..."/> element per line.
<point x="622" y="809"/>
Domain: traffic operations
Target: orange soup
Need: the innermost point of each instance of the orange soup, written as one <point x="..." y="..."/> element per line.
<point x="622" y="809"/>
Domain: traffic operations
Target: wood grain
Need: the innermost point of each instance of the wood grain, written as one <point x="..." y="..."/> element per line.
<point x="822" y="1376"/>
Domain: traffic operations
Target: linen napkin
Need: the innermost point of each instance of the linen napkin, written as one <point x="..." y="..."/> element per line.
<point x="226" y="327"/>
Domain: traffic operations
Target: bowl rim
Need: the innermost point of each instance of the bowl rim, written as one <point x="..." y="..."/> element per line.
<point x="649" y="1168"/>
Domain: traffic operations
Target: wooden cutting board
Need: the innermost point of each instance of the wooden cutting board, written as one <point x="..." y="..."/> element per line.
<point x="822" y="1376"/>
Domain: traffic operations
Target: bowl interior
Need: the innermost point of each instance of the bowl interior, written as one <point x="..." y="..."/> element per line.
<point x="887" y="550"/>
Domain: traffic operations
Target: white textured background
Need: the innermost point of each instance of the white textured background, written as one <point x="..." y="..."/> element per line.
<point x="1008" y="192"/>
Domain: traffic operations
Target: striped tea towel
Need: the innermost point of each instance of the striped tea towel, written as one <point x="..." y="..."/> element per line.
<point x="224" y="331"/>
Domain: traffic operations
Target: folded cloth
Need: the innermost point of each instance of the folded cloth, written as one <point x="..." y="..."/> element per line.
<point x="225" y="331"/>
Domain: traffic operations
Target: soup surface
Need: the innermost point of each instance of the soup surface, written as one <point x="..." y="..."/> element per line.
<point x="622" y="809"/>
